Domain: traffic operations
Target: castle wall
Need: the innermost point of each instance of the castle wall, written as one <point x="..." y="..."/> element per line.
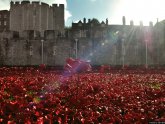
<point x="28" y="52"/>
<point x="58" y="14"/>
<point x="100" y="45"/>
<point x="4" y="20"/>
<point x="36" y="16"/>
<point x="15" y="16"/>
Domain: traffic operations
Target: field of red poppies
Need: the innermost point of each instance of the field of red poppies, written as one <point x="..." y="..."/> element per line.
<point x="37" y="96"/>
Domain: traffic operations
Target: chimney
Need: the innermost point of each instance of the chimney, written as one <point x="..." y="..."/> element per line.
<point x="89" y="20"/>
<point x="84" y="20"/>
<point x="106" y="21"/>
<point x="124" y="20"/>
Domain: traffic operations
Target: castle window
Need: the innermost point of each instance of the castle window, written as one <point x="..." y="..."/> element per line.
<point x="5" y="23"/>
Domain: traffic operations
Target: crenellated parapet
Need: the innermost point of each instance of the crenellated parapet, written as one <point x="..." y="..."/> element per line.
<point x="17" y="2"/>
<point x="44" y="4"/>
<point x="55" y="5"/>
<point x="58" y="6"/>
<point x="25" y="2"/>
<point x="61" y="5"/>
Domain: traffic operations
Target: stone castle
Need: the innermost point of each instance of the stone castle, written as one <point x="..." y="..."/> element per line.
<point x="32" y="33"/>
<point x="37" y="17"/>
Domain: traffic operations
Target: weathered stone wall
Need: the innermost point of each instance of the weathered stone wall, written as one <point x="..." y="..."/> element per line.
<point x="29" y="52"/>
<point x="4" y="20"/>
<point x="118" y="46"/>
<point x="58" y="14"/>
<point x="35" y="16"/>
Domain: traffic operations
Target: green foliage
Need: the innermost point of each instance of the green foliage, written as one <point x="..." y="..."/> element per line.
<point x="156" y="85"/>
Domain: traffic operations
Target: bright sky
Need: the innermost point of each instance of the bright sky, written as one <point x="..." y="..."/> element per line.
<point x="137" y="10"/>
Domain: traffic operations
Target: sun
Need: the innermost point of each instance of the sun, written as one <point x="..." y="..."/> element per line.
<point x="141" y="10"/>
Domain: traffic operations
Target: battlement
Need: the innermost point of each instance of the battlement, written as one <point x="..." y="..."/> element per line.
<point x="44" y="4"/>
<point x="58" y="5"/>
<point x="54" y="5"/>
<point x="25" y="2"/>
<point x="35" y="2"/>
<point x="61" y="5"/>
<point x="4" y="11"/>
<point x="17" y="2"/>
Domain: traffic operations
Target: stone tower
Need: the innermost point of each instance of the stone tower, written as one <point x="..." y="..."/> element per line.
<point x="36" y="16"/>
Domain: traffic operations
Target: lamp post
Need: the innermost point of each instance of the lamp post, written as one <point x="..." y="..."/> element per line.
<point x="115" y="50"/>
<point x="76" y="47"/>
<point x="42" y="51"/>
<point x="123" y="51"/>
<point x="146" y="53"/>
<point x="54" y="53"/>
<point x="136" y="54"/>
<point x="12" y="52"/>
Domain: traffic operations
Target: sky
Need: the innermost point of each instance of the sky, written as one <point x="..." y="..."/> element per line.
<point x="114" y="10"/>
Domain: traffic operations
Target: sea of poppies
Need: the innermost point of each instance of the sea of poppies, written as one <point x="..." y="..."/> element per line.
<point x="48" y="96"/>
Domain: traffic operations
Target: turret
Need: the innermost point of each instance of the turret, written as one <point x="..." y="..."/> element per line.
<point x="124" y="20"/>
<point x="84" y="21"/>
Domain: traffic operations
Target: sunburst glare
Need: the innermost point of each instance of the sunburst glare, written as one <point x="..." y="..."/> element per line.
<point x="140" y="10"/>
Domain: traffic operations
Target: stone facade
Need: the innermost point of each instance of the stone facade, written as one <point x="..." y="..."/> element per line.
<point x="36" y="17"/>
<point x="4" y="20"/>
<point x="36" y="35"/>
<point x="110" y="47"/>
<point x="29" y="52"/>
